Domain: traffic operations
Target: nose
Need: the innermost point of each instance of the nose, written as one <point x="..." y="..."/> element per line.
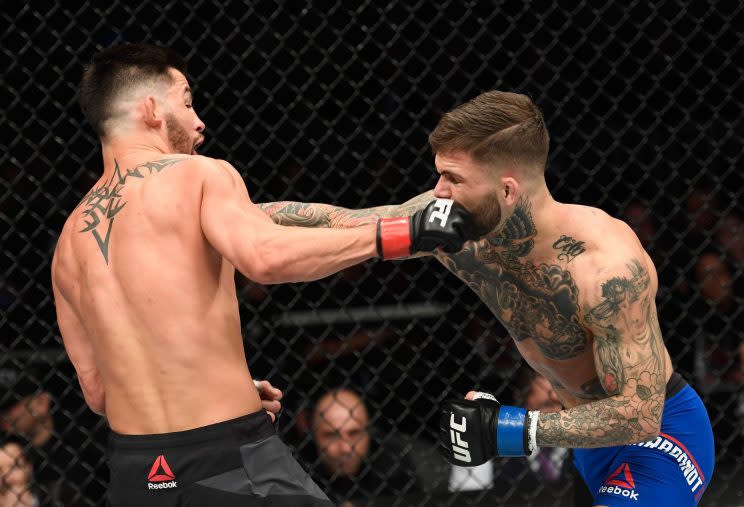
<point x="442" y="189"/>
<point x="344" y="447"/>
<point x="199" y="125"/>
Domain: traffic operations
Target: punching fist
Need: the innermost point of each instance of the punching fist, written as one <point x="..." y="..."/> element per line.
<point x="441" y="224"/>
<point x="472" y="432"/>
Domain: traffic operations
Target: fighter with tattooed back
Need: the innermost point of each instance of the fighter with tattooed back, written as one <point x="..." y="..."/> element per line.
<point x="576" y="291"/>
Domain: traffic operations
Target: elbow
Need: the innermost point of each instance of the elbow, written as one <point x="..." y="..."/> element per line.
<point x="649" y="432"/>
<point x="259" y="275"/>
<point x="266" y="269"/>
<point x="654" y="433"/>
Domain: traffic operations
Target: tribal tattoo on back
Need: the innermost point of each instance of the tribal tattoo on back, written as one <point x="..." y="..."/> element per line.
<point x="103" y="203"/>
<point x="538" y="301"/>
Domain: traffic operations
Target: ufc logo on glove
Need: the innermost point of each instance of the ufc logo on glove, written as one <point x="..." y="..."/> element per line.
<point x="459" y="446"/>
<point x="441" y="211"/>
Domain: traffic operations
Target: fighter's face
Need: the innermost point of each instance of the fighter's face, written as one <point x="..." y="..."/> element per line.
<point x="473" y="186"/>
<point x="183" y="126"/>
<point x="15" y="469"/>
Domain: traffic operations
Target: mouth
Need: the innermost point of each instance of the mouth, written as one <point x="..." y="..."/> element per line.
<point x="196" y="145"/>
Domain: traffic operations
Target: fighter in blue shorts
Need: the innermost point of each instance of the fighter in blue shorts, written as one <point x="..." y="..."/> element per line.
<point x="576" y="291"/>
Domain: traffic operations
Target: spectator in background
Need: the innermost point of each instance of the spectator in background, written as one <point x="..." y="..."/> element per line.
<point x="16" y="472"/>
<point x="720" y="321"/>
<point x="352" y="466"/>
<point x="548" y="465"/>
<point x="547" y="470"/>
<point x="730" y="237"/>
<point x="639" y="216"/>
<point x="26" y="415"/>
<point x="25" y="409"/>
<point x="714" y="279"/>
<point x="654" y="236"/>
<point x="702" y="210"/>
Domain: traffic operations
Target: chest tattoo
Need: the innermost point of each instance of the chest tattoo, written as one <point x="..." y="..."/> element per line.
<point x="538" y="301"/>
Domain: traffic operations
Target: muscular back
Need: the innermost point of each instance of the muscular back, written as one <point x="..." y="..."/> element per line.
<point x="146" y="306"/>
<point x="549" y="288"/>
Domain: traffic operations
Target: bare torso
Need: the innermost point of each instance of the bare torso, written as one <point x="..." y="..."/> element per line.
<point x="538" y="284"/>
<point x="156" y="301"/>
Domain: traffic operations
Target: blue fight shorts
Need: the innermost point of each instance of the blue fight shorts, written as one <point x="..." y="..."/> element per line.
<point x="674" y="469"/>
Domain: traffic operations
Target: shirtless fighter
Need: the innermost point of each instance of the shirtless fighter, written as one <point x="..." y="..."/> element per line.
<point x="143" y="279"/>
<point x="575" y="289"/>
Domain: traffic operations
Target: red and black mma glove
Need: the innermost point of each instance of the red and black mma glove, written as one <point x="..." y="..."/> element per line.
<point x="472" y="432"/>
<point x="441" y="224"/>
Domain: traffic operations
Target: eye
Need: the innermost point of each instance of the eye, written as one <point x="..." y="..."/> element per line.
<point x="189" y="106"/>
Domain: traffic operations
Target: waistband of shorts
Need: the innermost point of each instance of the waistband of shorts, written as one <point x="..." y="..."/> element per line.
<point x="245" y="429"/>
<point x="676" y="384"/>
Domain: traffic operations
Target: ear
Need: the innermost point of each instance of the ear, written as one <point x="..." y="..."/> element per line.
<point x="511" y="190"/>
<point x="153" y="113"/>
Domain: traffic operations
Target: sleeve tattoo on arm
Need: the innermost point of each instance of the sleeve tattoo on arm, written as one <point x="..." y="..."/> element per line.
<point x="630" y="360"/>
<point x="325" y="215"/>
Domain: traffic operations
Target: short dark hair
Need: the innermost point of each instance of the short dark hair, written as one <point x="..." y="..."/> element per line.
<point x="120" y="68"/>
<point x="493" y="127"/>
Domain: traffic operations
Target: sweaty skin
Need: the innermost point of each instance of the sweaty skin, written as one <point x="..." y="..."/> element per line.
<point x="143" y="279"/>
<point x="575" y="290"/>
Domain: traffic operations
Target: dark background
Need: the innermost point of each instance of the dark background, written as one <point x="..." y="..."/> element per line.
<point x="333" y="102"/>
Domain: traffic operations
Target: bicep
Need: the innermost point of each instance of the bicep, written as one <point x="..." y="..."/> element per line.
<point x="229" y="220"/>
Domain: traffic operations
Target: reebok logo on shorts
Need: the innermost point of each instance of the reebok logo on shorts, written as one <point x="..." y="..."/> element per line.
<point x="161" y="476"/>
<point x="620" y="483"/>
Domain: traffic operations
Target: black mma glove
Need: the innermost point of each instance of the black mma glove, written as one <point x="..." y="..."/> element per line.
<point x="472" y="432"/>
<point x="441" y="224"/>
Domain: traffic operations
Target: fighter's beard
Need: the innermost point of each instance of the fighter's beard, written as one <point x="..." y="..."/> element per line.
<point x="486" y="216"/>
<point x="177" y="136"/>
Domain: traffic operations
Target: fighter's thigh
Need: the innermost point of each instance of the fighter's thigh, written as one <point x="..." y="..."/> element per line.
<point x="643" y="478"/>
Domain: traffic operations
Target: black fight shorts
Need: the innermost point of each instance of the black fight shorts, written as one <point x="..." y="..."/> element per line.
<point x="236" y="462"/>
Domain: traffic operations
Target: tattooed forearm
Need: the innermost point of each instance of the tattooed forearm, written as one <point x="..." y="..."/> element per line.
<point x="298" y="213"/>
<point x="326" y="215"/>
<point x="619" y="420"/>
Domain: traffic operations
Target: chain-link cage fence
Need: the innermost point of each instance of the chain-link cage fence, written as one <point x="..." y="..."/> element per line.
<point x="333" y="102"/>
